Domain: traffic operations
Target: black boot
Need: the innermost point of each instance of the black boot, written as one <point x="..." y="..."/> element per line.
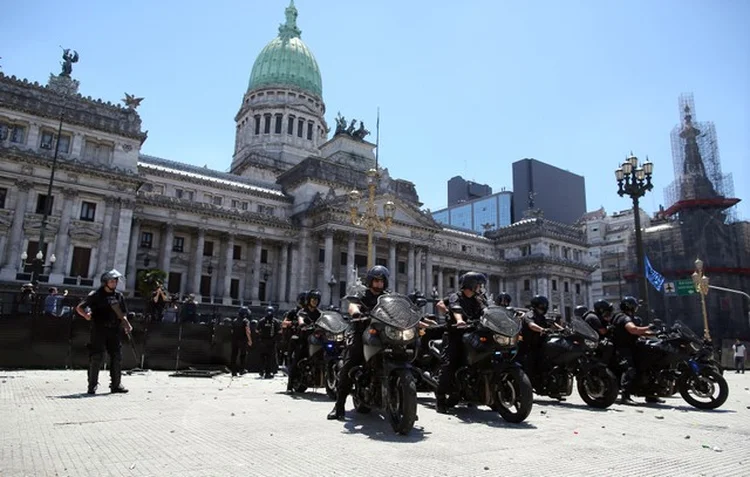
<point x="655" y="400"/>
<point x="118" y="389"/>
<point x="92" y="389"/>
<point x="337" y="413"/>
<point x="94" y="366"/>
<point x="440" y="405"/>
<point x="625" y="399"/>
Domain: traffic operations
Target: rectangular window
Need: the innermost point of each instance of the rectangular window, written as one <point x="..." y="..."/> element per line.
<point x="360" y="261"/>
<point x="206" y="285"/>
<point x="300" y="127"/>
<point x="290" y="125"/>
<point x="79" y="265"/>
<point x="42" y="203"/>
<point x="235" y="204"/>
<point x="554" y="285"/>
<point x="178" y="244"/>
<point x="64" y="146"/>
<point x="381" y="261"/>
<point x="265" y="209"/>
<point x="578" y="288"/>
<point x="217" y="200"/>
<point x="263" y="255"/>
<point x="267" y="125"/>
<point x="401" y="267"/>
<point x="277" y="124"/>
<point x="321" y="255"/>
<point x="343" y="258"/>
<point x="18" y="134"/>
<point x="526" y="285"/>
<point x="3" y="196"/>
<point x="244" y="205"/>
<point x="88" y="211"/>
<point x="174" y="282"/>
<point x="257" y="124"/>
<point x="234" y="289"/>
<point x="157" y="189"/>
<point x="47" y="141"/>
<point x="147" y="239"/>
<point x="183" y="194"/>
<point x="237" y="252"/>
<point x="566" y="287"/>
<point x="31" y="251"/>
<point x="309" y="131"/>
<point x="208" y="249"/>
<point x="97" y="152"/>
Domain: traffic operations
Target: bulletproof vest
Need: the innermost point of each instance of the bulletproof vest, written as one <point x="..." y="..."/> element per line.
<point x="267" y="328"/>
<point x="593" y="320"/>
<point x="238" y="326"/>
<point x="620" y="336"/>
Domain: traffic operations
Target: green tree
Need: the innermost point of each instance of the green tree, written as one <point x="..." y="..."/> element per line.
<point x="148" y="280"/>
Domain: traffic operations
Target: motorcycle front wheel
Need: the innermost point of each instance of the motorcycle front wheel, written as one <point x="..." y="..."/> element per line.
<point x="402" y="402"/>
<point x="332" y="378"/>
<point x="514" y="396"/>
<point x="598" y="387"/>
<point x="705" y="390"/>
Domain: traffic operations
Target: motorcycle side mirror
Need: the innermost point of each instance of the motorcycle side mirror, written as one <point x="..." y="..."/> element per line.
<point x="421" y="302"/>
<point x="353" y="299"/>
<point x="658" y="322"/>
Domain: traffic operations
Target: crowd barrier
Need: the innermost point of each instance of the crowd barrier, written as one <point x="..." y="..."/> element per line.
<point x="43" y="342"/>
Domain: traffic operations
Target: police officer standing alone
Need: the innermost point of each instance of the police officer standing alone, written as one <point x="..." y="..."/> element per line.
<point x="376" y="282"/>
<point x="268" y="332"/>
<point x="106" y="308"/>
<point x="627" y="329"/>
<point x="241" y="340"/>
<point x="462" y="306"/>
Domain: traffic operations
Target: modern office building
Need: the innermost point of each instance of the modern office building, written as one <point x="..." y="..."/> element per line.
<point x="540" y="188"/>
<point x="479" y="215"/>
<point x="461" y="190"/>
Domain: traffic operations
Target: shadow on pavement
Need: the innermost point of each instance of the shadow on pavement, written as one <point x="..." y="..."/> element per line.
<point x="78" y="396"/>
<point x="470" y="414"/>
<point x="307" y="396"/>
<point x="376" y="427"/>
<point x="568" y="405"/>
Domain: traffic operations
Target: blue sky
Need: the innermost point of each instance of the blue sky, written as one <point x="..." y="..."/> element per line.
<point x="464" y="87"/>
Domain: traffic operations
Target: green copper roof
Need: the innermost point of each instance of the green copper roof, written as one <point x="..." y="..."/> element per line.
<point x="287" y="61"/>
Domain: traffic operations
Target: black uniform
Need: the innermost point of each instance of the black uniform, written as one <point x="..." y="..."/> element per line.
<point x="299" y="348"/>
<point x="470" y="309"/>
<point x="106" y="334"/>
<point x="239" y="345"/>
<point x="268" y="330"/>
<point x="531" y="342"/>
<point x="286" y="334"/>
<point x="594" y="321"/>
<point x="624" y="343"/>
<point x="354" y="352"/>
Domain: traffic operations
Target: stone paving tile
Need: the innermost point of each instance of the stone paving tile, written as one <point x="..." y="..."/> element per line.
<point x="247" y="426"/>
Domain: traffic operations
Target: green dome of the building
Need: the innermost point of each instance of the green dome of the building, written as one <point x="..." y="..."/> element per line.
<point x="287" y="61"/>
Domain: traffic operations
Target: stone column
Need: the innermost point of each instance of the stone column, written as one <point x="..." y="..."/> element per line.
<point x="165" y="257"/>
<point x="456" y="277"/>
<point x="419" y="271"/>
<point x="410" y="268"/>
<point x="13" y="254"/>
<point x="428" y="273"/>
<point x="441" y="278"/>
<point x="228" y="263"/>
<point x="114" y="235"/>
<point x="294" y="284"/>
<point x="63" y="239"/>
<point x="327" y="266"/>
<point x="350" y="252"/>
<point x="132" y="268"/>
<point x="104" y="244"/>
<point x="198" y="263"/>
<point x="283" y="272"/>
<point x="393" y="265"/>
<point x="256" y="270"/>
<point x="304" y="261"/>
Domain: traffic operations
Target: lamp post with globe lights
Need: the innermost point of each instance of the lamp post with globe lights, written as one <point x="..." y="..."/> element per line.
<point x="634" y="180"/>
<point x="701" y="286"/>
<point x="37" y="265"/>
<point x="331" y="284"/>
<point x="370" y="220"/>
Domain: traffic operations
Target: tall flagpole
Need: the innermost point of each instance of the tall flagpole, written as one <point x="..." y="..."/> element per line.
<point x="377" y="139"/>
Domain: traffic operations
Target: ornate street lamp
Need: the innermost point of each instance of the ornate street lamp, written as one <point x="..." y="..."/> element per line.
<point x="635" y="181"/>
<point x="701" y="286"/>
<point x="37" y="265"/>
<point x="369" y="219"/>
<point x="331" y="283"/>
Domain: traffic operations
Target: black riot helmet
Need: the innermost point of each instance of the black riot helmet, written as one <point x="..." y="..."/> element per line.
<point x="243" y="312"/>
<point x="629" y="304"/>
<point x="470" y="280"/>
<point x="110" y="275"/>
<point x="269" y="312"/>
<point x="541" y="303"/>
<point x="302" y="299"/>
<point x="314" y="295"/>
<point x="377" y="272"/>
<point x="602" y="306"/>
<point x="503" y="299"/>
<point x="580" y="310"/>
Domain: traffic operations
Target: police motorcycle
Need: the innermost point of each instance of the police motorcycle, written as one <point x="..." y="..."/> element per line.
<point x="491" y="376"/>
<point x="325" y="341"/>
<point x="676" y="358"/>
<point x="387" y="380"/>
<point x="574" y="352"/>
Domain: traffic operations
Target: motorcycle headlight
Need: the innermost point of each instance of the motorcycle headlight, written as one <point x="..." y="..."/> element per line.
<point x="335" y="337"/>
<point x="399" y="335"/>
<point x="591" y="344"/>
<point x="504" y="340"/>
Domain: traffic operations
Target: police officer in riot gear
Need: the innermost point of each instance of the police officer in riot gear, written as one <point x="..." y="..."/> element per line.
<point x="503" y="299"/>
<point x="105" y="307"/>
<point x="241" y="340"/>
<point x="376" y="282"/>
<point x="288" y="327"/>
<point x="268" y="331"/>
<point x="535" y="323"/>
<point x="600" y="317"/>
<point x="463" y="306"/>
<point x="627" y="329"/>
<point x="306" y="316"/>
<point x="580" y="311"/>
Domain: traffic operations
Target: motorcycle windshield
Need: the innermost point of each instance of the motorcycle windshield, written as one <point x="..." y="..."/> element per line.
<point x="685" y="331"/>
<point x="501" y="321"/>
<point x="397" y="311"/>
<point x="583" y="329"/>
<point x="332" y="322"/>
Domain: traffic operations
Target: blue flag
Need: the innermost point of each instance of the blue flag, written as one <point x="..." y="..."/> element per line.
<point x="654" y="277"/>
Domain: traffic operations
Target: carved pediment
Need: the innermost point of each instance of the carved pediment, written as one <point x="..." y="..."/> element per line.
<point x="32" y="224"/>
<point x="86" y="231"/>
<point x="180" y="259"/>
<point x="6" y="219"/>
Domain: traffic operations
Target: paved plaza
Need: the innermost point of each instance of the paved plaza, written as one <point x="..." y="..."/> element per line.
<point x="175" y="426"/>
